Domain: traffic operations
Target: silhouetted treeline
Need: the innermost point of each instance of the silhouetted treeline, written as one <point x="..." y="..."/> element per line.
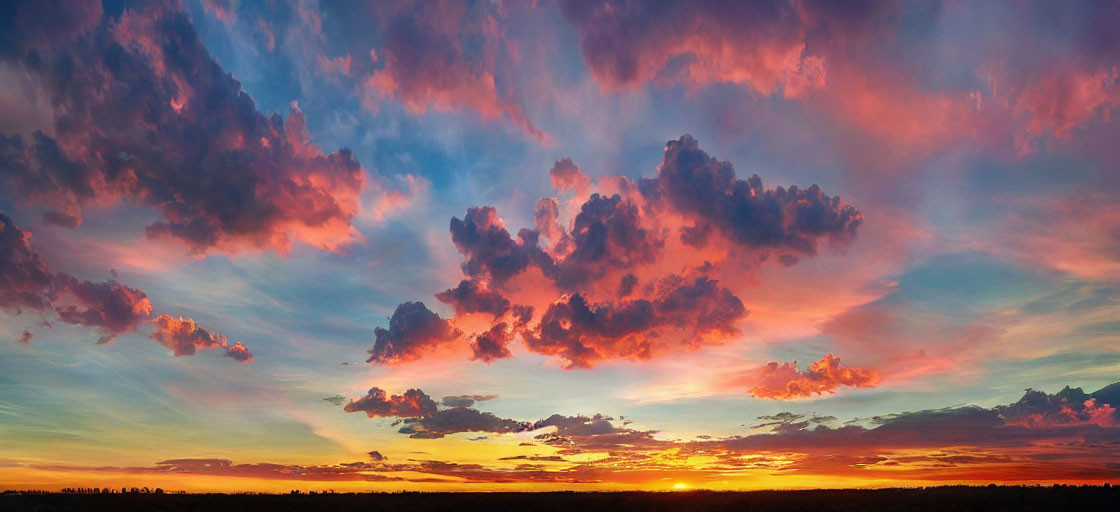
<point x="1058" y="497"/>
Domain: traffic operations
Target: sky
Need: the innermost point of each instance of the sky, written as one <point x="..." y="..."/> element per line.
<point x="590" y="245"/>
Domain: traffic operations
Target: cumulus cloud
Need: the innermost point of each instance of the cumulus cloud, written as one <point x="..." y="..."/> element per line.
<point x="413" y="329"/>
<point x="566" y="176"/>
<point x="239" y="353"/>
<point x="636" y="271"/>
<point x="146" y="113"/>
<point x="785" y="382"/>
<point x="471" y="297"/>
<point x="584" y="333"/>
<point x="109" y="305"/>
<point x="377" y="403"/>
<point x="491" y="253"/>
<point x="184" y="338"/>
<point x="744" y="211"/>
<point x="1070" y="406"/>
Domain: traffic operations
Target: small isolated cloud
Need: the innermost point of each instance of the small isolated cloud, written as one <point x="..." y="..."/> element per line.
<point x="783" y="381"/>
<point x="413" y="329"/>
<point x="376" y="403"/>
<point x="334" y="399"/>
<point x="184" y="338"/>
<point x="465" y="400"/>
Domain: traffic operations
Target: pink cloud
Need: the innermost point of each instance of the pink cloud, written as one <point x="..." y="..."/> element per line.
<point x="785" y="382"/>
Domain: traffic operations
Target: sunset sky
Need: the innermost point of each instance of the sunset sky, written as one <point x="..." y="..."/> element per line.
<point x="536" y="245"/>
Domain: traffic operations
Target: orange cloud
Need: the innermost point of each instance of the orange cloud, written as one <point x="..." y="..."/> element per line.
<point x="184" y="337"/>
<point x="785" y="382"/>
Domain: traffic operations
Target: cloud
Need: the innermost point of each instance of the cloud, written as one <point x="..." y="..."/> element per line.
<point x="758" y="45"/>
<point x="491" y="253"/>
<point x="493" y="344"/>
<point x="785" y="382"/>
<point x="745" y="212"/>
<point x="239" y="353"/>
<point x="566" y="176"/>
<point x="446" y="59"/>
<point x="25" y="277"/>
<point x="1037" y="409"/>
<point x="27" y="282"/>
<point x="584" y="334"/>
<point x="460" y="419"/>
<point x="413" y="328"/>
<point x="334" y="399"/>
<point x="146" y="114"/>
<point x="636" y="272"/>
<point x="465" y="400"/>
<point x="965" y="444"/>
<point x="25" y="337"/>
<point x="470" y="297"/>
<point x="184" y="337"/>
<point x="109" y="305"/>
<point x="377" y="403"/>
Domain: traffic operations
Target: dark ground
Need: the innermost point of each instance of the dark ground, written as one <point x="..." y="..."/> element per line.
<point x="1071" y="499"/>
